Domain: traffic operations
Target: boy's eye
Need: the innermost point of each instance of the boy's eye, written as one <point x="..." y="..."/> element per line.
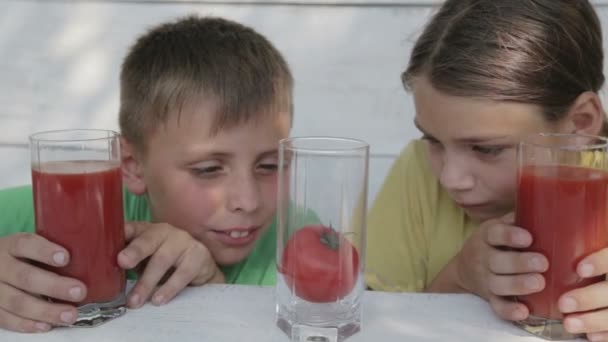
<point x="268" y="166"/>
<point x="490" y="151"/>
<point x="206" y="171"/>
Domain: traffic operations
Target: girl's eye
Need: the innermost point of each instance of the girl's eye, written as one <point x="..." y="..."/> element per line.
<point x="491" y="151"/>
<point x="430" y="139"/>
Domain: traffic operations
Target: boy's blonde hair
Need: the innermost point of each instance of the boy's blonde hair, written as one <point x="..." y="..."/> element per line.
<point x="196" y="59"/>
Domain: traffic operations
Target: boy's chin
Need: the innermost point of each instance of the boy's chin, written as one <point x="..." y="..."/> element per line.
<point x="229" y="252"/>
<point x="231" y="256"/>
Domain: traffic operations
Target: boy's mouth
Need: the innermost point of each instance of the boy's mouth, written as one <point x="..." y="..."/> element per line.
<point x="236" y="234"/>
<point x="236" y="237"/>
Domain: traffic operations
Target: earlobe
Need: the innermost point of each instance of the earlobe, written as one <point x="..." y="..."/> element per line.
<point x="132" y="176"/>
<point x="586" y="116"/>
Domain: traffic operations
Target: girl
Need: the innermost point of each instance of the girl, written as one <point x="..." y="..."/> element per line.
<point x="483" y="74"/>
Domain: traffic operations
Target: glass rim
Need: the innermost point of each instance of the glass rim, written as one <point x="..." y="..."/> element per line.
<point x="356" y="144"/>
<point x="40" y="136"/>
<point x="529" y="140"/>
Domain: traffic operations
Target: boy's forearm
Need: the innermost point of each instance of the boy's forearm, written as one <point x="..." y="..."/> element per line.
<point x="447" y="281"/>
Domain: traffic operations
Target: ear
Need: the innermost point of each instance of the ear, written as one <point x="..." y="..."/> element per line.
<point x="132" y="175"/>
<point x="586" y="115"/>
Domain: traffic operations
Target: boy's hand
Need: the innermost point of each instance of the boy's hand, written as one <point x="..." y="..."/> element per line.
<point x="586" y="308"/>
<point x="21" y="284"/>
<point x="173" y="254"/>
<point x="488" y="267"/>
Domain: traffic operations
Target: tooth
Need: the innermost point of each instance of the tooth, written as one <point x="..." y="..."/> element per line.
<point x="236" y="234"/>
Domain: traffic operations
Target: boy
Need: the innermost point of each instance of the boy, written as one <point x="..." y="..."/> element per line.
<point x="204" y="102"/>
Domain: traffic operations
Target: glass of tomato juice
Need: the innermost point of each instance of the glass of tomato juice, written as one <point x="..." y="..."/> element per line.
<point x="321" y="210"/>
<point x="562" y="200"/>
<point x="77" y="189"/>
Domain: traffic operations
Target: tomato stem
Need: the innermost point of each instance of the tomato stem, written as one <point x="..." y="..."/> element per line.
<point x="330" y="238"/>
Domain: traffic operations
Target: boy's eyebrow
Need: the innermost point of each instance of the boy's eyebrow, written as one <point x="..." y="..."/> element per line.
<point x="269" y="153"/>
<point x="464" y="140"/>
<point x="228" y="155"/>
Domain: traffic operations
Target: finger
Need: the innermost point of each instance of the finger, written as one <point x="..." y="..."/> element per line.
<point x="13" y="322"/>
<point x="508" y="218"/>
<point x="512" y="262"/>
<point x="141" y="247"/>
<point x="514" y="285"/>
<point x="591" y="322"/>
<point x="594" y="265"/>
<point x="209" y="268"/>
<point x="130" y="230"/>
<point x="157" y="267"/>
<point x="505" y="235"/>
<point x="588" y="298"/>
<point x="29" y="307"/>
<point x="35" y="247"/>
<point x="598" y="336"/>
<point x="507" y="309"/>
<point x="26" y="277"/>
<point x="194" y="267"/>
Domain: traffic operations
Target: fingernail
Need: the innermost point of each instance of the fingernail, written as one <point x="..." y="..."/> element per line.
<point x="574" y="325"/>
<point x="536" y="264"/>
<point x="519" y="315"/>
<point x="595" y="337"/>
<point x="158" y="300"/>
<point x="42" y="326"/>
<point x="128" y="228"/>
<point x="127" y="257"/>
<point x="67" y="317"/>
<point x="568" y="304"/>
<point x="127" y="254"/>
<point x="521" y="239"/>
<point x="59" y="258"/>
<point x="585" y="270"/>
<point x="75" y="292"/>
<point x="532" y="283"/>
<point x="135" y="300"/>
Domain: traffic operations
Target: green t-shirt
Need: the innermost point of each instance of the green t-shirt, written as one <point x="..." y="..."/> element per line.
<point x="17" y="215"/>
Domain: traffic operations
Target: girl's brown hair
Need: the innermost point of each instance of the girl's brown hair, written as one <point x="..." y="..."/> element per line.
<point x="542" y="52"/>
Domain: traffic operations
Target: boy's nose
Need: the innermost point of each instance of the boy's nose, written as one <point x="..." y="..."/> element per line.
<point x="244" y="195"/>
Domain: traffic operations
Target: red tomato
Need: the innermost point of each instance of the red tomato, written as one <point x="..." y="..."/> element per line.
<point x="319" y="264"/>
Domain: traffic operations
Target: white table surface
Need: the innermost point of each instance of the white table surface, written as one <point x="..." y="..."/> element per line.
<point x="221" y="313"/>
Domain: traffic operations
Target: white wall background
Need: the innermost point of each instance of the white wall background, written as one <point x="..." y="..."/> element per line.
<point x="59" y="65"/>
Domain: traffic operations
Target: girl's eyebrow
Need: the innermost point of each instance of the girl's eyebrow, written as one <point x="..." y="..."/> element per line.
<point x="424" y="132"/>
<point x="465" y="140"/>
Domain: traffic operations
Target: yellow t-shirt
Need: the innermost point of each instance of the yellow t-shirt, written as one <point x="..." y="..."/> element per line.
<point x="414" y="228"/>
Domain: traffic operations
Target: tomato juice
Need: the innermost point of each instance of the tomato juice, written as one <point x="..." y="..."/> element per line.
<point x="565" y="208"/>
<point x="79" y="206"/>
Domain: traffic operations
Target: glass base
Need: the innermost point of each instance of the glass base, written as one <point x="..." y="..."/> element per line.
<point x="304" y="321"/>
<point x="94" y="314"/>
<point x="549" y="329"/>
<point x="307" y="333"/>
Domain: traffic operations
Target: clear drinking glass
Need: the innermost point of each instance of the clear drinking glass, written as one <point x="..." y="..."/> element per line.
<point x="322" y="191"/>
<point x="77" y="188"/>
<point x="562" y="200"/>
